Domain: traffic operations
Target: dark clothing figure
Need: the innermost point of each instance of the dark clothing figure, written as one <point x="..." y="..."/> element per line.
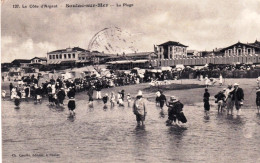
<point x="98" y="86"/>
<point x="26" y="90"/>
<point x="16" y="101"/>
<point x="123" y="94"/>
<point x="238" y="94"/>
<point x="206" y="101"/>
<point x="61" y="96"/>
<point x="71" y="93"/>
<point x="71" y="104"/>
<point x="258" y="98"/>
<point x="173" y="110"/>
<point x="38" y="91"/>
<point x="105" y="99"/>
<point x="90" y="93"/>
<point x="238" y="97"/>
<point x="220" y="96"/>
<point x="49" y="91"/>
<point x="11" y="87"/>
<point x="162" y="100"/>
<point x="50" y="96"/>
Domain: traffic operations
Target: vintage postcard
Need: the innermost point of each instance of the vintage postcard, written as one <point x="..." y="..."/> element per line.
<point x="130" y="81"/>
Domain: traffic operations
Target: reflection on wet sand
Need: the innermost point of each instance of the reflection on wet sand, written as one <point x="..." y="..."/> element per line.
<point x="112" y="134"/>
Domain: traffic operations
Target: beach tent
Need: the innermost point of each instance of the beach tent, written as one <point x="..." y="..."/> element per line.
<point x="166" y="68"/>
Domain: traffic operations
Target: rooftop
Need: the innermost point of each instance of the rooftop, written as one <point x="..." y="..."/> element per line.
<point x="172" y="43"/>
<point x="42" y="58"/>
<point x="22" y="60"/>
<point x="66" y="50"/>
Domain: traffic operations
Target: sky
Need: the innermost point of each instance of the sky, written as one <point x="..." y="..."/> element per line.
<point x="201" y="25"/>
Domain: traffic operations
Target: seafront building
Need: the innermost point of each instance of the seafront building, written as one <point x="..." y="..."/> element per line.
<point x="239" y="49"/>
<point x="170" y="53"/>
<point x="171" y="50"/>
<point x="64" y="56"/>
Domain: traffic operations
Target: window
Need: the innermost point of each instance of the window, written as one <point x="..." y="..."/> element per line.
<point x="60" y="56"/>
<point x="69" y="55"/>
<point x="57" y="56"/>
<point x="83" y="58"/>
<point x="183" y="50"/>
<point x="73" y="55"/>
<point x="79" y="58"/>
<point x="49" y="56"/>
<point x="170" y="48"/>
<point x="160" y="49"/>
<point x="65" y="56"/>
<point x="53" y="57"/>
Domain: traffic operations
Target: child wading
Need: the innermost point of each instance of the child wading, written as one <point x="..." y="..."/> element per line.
<point x="71" y="106"/>
<point x="17" y="101"/>
<point x="258" y="99"/>
<point x="162" y="99"/>
<point x="157" y="99"/>
<point x="139" y="108"/>
<point x="175" y="111"/>
<point x="206" y="102"/>
<point x="105" y="99"/>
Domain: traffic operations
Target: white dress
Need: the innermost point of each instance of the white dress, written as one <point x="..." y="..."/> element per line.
<point x="220" y="79"/>
<point x="207" y="81"/>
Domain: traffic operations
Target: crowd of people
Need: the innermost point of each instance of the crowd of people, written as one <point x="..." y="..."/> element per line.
<point x="228" y="98"/>
<point x="57" y="90"/>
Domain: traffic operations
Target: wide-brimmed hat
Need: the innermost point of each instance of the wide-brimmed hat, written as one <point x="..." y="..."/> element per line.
<point x="236" y="84"/>
<point x="140" y="93"/>
<point x="173" y="99"/>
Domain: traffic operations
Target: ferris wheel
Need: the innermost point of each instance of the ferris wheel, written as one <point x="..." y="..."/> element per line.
<point x="113" y="41"/>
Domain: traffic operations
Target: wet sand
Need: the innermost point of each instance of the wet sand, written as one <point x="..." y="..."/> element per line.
<point x="39" y="133"/>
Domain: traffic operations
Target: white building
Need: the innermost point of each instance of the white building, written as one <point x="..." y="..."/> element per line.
<point x="39" y="60"/>
<point x="64" y="55"/>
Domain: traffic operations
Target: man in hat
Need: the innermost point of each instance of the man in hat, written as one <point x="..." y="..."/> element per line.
<point x="238" y="97"/>
<point x="175" y="111"/>
<point x="139" y="108"/>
